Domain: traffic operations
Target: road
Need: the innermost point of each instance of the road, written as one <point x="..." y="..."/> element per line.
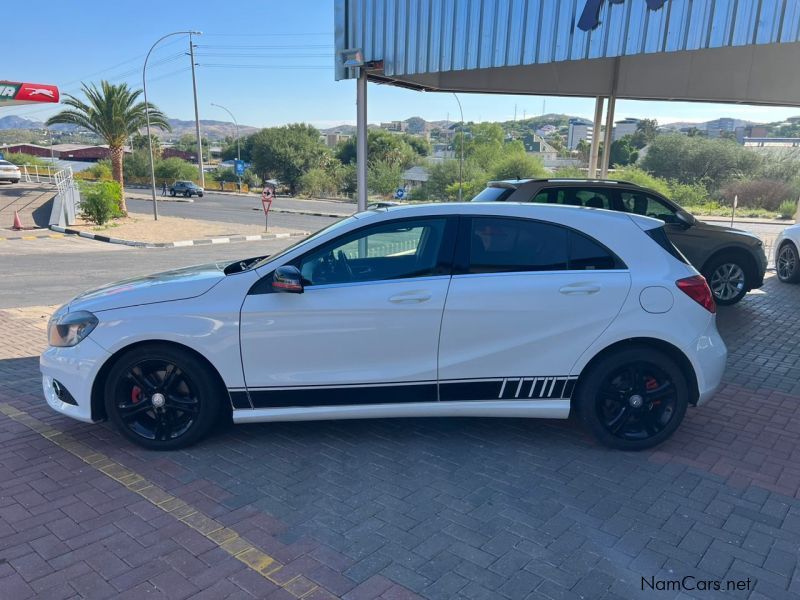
<point x="51" y="271"/>
<point x="232" y="208"/>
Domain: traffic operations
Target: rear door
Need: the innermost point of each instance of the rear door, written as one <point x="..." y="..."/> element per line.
<point x="526" y="299"/>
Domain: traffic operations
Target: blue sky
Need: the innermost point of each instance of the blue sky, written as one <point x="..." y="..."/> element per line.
<point x="89" y="40"/>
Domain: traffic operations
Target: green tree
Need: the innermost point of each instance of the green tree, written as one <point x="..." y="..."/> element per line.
<point x="382" y="146"/>
<point x="383" y="177"/>
<point x="174" y="169"/>
<point x="318" y="182"/>
<point x="286" y="153"/>
<point x="518" y="166"/>
<point x="699" y="160"/>
<point x="114" y="113"/>
<point x="646" y="132"/>
<point x="139" y="142"/>
<point x="623" y="153"/>
<point x="419" y="144"/>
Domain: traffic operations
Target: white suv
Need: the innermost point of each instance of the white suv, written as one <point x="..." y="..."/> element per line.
<point x="484" y="310"/>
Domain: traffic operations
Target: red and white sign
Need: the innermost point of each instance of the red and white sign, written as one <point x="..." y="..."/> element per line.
<point x="13" y="93"/>
<point x="266" y="198"/>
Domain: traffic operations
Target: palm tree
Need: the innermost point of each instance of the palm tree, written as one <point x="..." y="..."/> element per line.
<point x="113" y="113"/>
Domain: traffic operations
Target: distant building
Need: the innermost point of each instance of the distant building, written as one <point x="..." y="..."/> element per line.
<point x="578" y="130"/>
<point x="175" y="153"/>
<point x="414" y="177"/>
<point x="539" y="147"/>
<point x="625" y="127"/>
<point x="79" y="152"/>
<point x="765" y="143"/>
<point x="32" y="149"/>
<point x="333" y="139"/>
<point x="752" y="131"/>
<point x="716" y="128"/>
<point x="396" y="126"/>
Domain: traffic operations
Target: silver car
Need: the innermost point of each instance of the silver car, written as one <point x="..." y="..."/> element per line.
<point x="9" y="172"/>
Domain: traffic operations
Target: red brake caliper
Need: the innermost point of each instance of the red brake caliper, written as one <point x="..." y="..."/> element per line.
<point x="136" y="394"/>
<point x="651" y="384"/>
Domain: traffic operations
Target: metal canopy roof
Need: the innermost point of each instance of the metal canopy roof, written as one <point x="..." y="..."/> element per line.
<point x="743" y="51"/>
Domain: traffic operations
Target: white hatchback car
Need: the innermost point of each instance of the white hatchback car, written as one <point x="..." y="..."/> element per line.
<point x="483" y="310"/>
<point x="9" y="172"/>
<point x="787" y="254"/>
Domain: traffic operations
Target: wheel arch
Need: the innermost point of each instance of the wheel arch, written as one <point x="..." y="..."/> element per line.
<point x="739" y="251"/>
<point x="97" y="404"/>
<point x="667" y="348"/>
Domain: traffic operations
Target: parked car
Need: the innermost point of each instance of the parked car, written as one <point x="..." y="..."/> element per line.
<point x="185" y="188"/>
<point x="733" y="261"/>
<point x="787" y="255"/>
<point x="9" y="172"/>
<point x="469" y="310"/>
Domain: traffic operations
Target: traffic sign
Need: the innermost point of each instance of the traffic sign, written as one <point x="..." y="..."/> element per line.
<point x="399" y="193"/>
<point x="238" y="166"/>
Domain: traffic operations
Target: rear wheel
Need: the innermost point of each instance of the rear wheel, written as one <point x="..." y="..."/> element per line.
<point x="727" y="276"/>
<point x="172" y="193"/>
<point x="162" y="398"/>
<point x="788" y="263"/>
<point x="633" y="399"/>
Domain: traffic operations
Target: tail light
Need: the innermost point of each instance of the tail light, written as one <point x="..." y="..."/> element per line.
<point x="697" y="289"/>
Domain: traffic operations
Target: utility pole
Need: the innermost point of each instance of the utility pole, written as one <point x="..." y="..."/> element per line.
<point x="197" y="118"/>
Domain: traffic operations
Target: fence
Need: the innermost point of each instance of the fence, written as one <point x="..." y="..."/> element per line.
<point x="67" y="200"/>
<point x="37" y="173"/>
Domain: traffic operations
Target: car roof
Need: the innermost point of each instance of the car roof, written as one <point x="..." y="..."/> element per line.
<point x="514" y="183"/>
<point x="548" y="212"/>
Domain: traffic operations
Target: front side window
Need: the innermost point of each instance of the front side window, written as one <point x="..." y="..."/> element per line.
<point x="397" y="250"/>
<point x="646" y="205"/>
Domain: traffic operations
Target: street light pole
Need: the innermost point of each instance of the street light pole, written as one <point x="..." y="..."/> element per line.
<point x="238" y="147"/>
<point x="460" y="162"/>
<point x="197" y="118"/>
<point x="147" y="114"/>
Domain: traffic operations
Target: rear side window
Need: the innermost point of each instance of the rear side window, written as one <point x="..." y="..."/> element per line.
<point x="499" y="245"/>
<point x="493" y="194"/>
<point x="659" y="236"/>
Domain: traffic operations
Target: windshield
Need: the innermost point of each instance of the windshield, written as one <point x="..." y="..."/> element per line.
<point x="304" y="241"/>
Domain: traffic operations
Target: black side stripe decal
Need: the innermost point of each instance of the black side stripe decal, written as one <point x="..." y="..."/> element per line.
<point x="509" y="388"/>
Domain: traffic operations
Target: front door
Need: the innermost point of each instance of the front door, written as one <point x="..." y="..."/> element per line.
<point x="366" y="328"/>
<point x="527" y="299"/>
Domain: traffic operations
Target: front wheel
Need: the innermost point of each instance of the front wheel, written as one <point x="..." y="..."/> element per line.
<point x="788" y="263"/>
<point x="172" y="193"/>
<point x="633" y="399"/>
<point x="727" y="278"/>
<point x="161" y="398"/>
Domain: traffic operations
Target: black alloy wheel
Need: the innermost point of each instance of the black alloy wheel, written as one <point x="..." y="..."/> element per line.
<point x="162" y="398"/>
<point x="634" y="399"/>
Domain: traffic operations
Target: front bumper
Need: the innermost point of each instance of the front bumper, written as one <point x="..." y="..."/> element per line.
<point x="75" y="369"/>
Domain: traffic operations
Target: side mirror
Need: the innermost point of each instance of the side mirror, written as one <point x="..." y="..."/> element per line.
<point x="685" y="218"/>
<point x="288" y="279"/>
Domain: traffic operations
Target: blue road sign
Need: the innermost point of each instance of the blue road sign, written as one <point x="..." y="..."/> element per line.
<point x="1" y="156"/>
<point x="399" y="193"/>
<point x="239" y="167"/>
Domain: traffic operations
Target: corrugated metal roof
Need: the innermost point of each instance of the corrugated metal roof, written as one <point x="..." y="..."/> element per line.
<point x="415" y="37"/>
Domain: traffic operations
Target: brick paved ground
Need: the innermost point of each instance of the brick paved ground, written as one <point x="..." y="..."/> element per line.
<point x="421" y="508"/>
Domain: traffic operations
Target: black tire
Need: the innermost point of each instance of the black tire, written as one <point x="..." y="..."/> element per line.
<point x="190" y="397"/>
<point x="172" y="193"/>
<point x="187" y="194"/>
<point x="606" y="398"/>
<point x="199" y="195"/>
<point x="787" y="263"/>
<point x="728" y="275"/>
<point x="15" y="181"/>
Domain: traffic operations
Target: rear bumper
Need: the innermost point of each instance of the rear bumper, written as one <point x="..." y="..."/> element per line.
<point x="709" y="360"/>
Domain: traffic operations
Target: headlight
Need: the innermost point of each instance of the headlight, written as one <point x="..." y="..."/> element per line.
<point x="70" y="328"/>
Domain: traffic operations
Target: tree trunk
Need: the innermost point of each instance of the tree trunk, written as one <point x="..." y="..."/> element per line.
<point x="116" y="173"/>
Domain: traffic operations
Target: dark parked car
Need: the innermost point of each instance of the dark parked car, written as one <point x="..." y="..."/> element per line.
<point x="733" y="261"/>
<point x="185" y="188"/>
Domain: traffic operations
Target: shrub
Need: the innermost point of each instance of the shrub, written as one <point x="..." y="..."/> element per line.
<point x="518" y="166"/>
<point x="787" y="209"/>
<point x="100" y="201"/>
<point x="173" y="169"/>
<point x="100" y="171"/>
<point x="318" y="182"/>
<point x="569" y="173"/>
<point x="20" y="158"/>
<point x="758" y="193"/>
<point x="384" y="177"/>
<point x="644" y="179"/>
<point x="687" y="194"/>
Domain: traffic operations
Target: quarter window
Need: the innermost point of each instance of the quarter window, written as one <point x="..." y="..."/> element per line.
<point x="395" y="250"/>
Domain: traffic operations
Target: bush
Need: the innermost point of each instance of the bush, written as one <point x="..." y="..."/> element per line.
<point x="569" y="173"/>
<point x="758" y="193"/>
<point x="174" y="169"/>
<point x="20" y="158"/>
<point x="383" y="177"/>
<point x="318" y="182"/>
<point x="687" y="194"/>
<point x="787" y="209"/>
<point x="100" y="201"/>
<point x="100" y="171"/>
<point x="644" y="179"/>
<point x="518" y="166"/>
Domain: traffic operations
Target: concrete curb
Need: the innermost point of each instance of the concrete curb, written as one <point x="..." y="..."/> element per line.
<point x="178" y="244"/>
<point x="31" y="236"/>
<point x="291" y="211"/>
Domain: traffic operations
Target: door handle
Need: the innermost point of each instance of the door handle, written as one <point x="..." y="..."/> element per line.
<point x="410" y="298"/>
<point x="575" y="289"/>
